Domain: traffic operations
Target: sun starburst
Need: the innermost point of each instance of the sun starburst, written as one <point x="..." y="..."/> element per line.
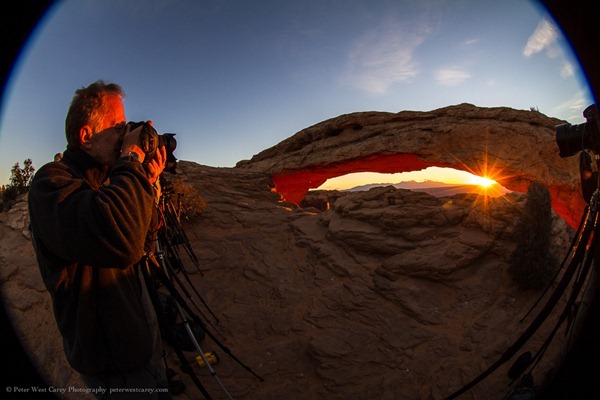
<point x="482" y="181"/>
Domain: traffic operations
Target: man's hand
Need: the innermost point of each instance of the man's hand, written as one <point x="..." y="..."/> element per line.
<point x="155" y="166"/>
<point x="132" y="143"/>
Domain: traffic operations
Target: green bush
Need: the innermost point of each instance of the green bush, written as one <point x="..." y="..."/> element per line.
<point x="532" y="265"/>
<point x="20" y="180"/>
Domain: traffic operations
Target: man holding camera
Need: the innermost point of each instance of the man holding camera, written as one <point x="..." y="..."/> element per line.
<point x="91" y="219"/>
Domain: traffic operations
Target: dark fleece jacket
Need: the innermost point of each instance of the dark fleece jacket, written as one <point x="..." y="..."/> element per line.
<point x="89" y="226"/>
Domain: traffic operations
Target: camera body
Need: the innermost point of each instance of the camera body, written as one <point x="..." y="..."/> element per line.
<point x="583" y="138"/>
<point x="150" y="141"/>
<point x="572" y="139"/>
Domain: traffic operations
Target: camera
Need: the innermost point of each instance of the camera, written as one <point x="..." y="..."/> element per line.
<point x="572" y="139"/>
<point x="151" y="140"/>
<point x="583" y="138"/>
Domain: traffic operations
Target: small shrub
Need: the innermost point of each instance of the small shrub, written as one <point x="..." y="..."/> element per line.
<point x="186" y="198"/>
<point x="21" y="177"/>
<point x="20" y="180"/>
<point x="532" y="265"/>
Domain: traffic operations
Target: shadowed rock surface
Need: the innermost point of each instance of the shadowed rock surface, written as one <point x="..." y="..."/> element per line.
<point x="373" y="298"/>
<point x="365" y="300"/>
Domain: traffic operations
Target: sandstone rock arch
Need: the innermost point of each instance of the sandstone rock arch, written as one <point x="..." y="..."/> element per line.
<point x="515" y="147"/>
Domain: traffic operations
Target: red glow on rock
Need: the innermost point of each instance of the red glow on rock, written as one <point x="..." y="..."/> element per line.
<point x="293" y="185"/>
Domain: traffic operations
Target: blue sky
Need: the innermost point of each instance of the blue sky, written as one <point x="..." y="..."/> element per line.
<point x="234" y="77"/>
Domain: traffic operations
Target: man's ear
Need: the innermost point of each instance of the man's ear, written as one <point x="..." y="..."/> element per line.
<point x="85" y="136"/>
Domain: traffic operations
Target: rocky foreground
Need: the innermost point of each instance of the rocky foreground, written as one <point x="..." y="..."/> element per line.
<point x="389" y="294"/>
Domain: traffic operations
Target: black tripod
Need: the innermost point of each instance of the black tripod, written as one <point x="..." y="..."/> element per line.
<point x="160" y="268"/>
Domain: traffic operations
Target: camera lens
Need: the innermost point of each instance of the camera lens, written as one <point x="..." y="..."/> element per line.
<point x="571" y="139"/>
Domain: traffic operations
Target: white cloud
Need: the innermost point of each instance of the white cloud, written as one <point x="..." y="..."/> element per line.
<point x="451" y="76"/>
<point x="383" y="57"/>
<point x="572" y="109"/>
<point x="567" y="70"/>
<point x="543" y="37"/>
<point x="470" y="42"/>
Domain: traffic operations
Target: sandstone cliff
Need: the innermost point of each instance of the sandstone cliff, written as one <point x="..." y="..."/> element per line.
<point x="389" y="294"/>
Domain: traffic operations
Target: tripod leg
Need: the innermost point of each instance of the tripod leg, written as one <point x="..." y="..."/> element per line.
<point x="182" y="303"/>
<point x="185" y="365"/>
<point x="166" y="261"/>
<point x="162" y="274"/>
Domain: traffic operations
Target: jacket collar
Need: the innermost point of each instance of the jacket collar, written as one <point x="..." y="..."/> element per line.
<point x="86" y="166"/>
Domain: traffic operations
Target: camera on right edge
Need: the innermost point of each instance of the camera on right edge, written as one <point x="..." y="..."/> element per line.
<point x="571" y="139"/>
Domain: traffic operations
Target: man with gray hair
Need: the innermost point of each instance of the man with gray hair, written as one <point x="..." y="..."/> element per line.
<point x="92" y="215"/>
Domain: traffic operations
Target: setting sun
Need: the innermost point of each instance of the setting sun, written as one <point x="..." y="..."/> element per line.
<point x="481" y="181"/>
